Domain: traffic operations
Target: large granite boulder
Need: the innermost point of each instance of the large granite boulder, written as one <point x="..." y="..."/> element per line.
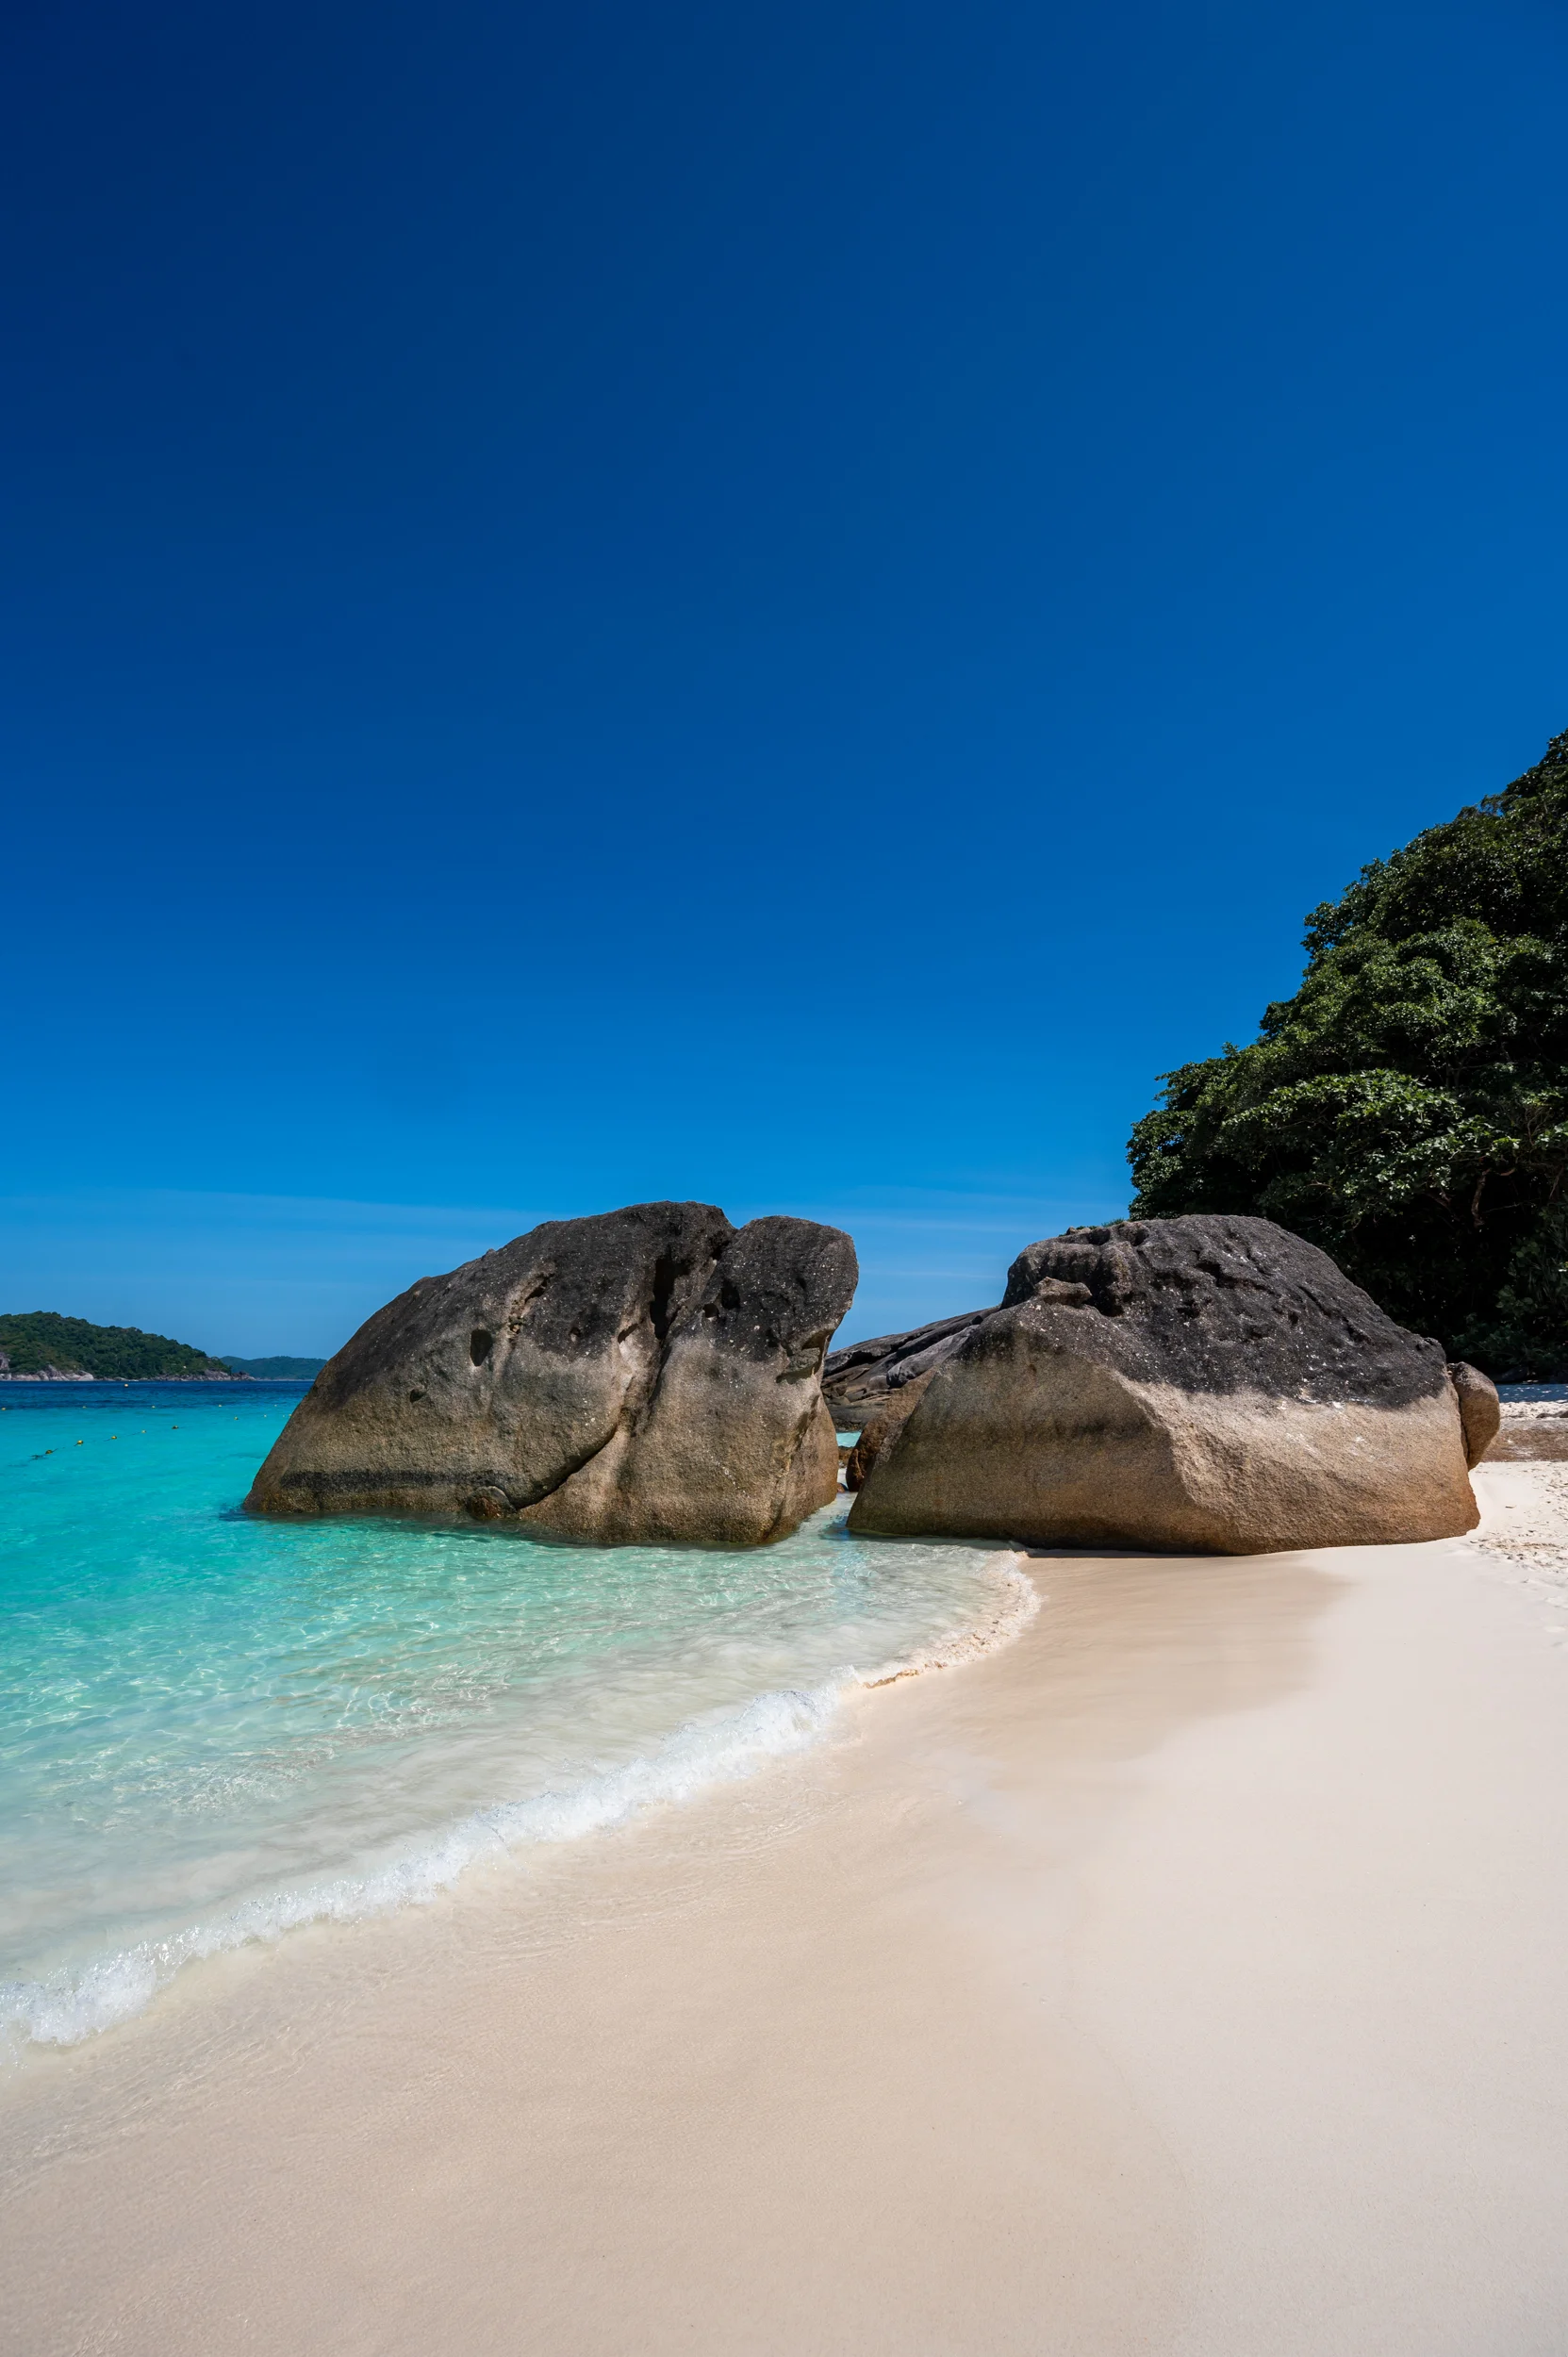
<point x="651" y="1375"/>
<point x="1208" y="1384"/>
<point x="862" y="1382"/>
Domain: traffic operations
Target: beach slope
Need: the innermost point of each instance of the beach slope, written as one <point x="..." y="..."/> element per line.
<point x="1185" y="1978"/>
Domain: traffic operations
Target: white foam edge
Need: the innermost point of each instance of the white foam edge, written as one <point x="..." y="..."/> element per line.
<point x="719" y="1747"/>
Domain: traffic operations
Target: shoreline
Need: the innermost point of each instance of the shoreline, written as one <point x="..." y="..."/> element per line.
<point x="53" y="1374"/>
<point x="74" y="2004"/>
<point x="1182" y="1977"/>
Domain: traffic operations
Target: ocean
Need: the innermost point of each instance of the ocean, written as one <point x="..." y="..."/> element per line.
<point x="214" y="1728"/>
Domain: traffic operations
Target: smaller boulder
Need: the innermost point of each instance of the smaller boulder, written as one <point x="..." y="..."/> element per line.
<point x="859" y="1381"/>
<point x="1480" y="1409"/>
<point x="882" y="1427"/>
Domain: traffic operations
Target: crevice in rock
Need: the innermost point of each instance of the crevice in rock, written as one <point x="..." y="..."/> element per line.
<point x="525" y="1495"/>
<point x="524" y="1302"/>
<point x="664" y="1289"/>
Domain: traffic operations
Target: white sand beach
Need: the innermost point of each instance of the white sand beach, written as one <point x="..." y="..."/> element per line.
<point x="1188" y="1977"/>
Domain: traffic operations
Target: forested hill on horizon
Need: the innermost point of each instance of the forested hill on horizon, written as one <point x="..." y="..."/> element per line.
<point x="1408" y="1109"/>
<point x="43" y="1343"/>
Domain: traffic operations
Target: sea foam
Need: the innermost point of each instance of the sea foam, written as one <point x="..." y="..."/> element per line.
<point x="715" y="1747"/>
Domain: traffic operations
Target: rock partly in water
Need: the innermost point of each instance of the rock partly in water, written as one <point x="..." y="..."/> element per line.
<point x="650" y="1375"/>
<point x="1208" y="1384"/>
<point x="859" y="1382"/>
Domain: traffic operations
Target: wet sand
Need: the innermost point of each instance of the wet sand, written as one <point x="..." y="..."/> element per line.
<point x="1188" y="1977"/>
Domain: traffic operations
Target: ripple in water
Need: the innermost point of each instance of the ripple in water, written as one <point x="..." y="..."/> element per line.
<point x="214" y="1728"/>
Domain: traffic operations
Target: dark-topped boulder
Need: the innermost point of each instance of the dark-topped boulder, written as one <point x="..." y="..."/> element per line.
<point x="1207" y="1384"/>
<point x="650" y="1375"/>
<point x="859" y="1381"/>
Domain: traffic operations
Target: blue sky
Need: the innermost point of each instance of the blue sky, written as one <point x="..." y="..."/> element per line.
<point x="784" y="605"/>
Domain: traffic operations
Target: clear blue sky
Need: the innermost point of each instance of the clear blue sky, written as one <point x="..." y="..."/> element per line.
<point x="778" y="604"/>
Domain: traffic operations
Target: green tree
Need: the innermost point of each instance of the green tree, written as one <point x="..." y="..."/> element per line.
<point x="31" y="1339"/>
<point x="1408" y="1109"/>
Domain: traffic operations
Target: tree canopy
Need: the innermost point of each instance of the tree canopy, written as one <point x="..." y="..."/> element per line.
<point x="1408" y="1108"/>
<point x="32" y="1340"/>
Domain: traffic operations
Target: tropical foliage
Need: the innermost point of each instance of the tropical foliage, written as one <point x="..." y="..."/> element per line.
<point x="1408" y="1109"/>
<point x="34" y="1340"/>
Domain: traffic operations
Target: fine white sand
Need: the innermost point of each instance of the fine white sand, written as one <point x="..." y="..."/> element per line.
<point x="1187" y="1978"/>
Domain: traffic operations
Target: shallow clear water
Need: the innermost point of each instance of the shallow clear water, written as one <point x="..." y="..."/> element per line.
<point x="212" y="1726"/>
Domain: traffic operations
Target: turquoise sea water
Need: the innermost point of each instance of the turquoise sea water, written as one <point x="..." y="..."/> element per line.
<point x="213" y="1727"/>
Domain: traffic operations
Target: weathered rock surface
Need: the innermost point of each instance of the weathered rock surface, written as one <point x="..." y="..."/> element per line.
<point x="651" y="1375"/>
<point x="1208" y="1384"/>
<point x="859" y="1382"/>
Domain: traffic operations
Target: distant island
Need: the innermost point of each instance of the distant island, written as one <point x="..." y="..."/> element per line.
<point x="38" y="1346"/>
